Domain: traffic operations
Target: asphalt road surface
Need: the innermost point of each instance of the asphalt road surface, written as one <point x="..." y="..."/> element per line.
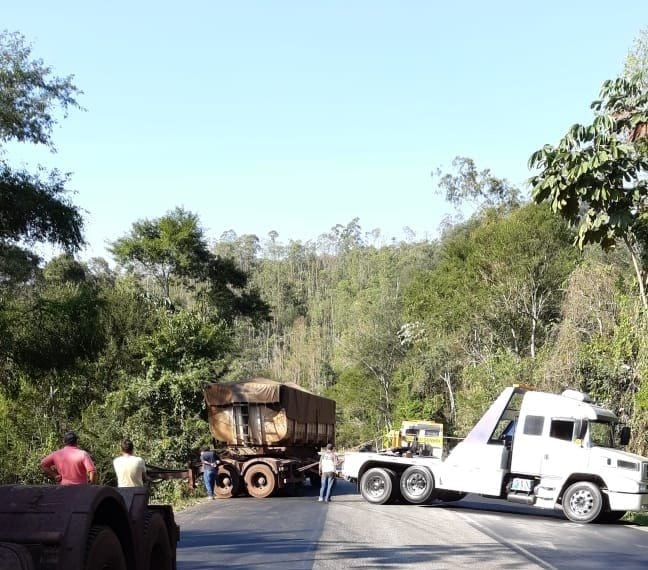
<point x="300" y="533"/>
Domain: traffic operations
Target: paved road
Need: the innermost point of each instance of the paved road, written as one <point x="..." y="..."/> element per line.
<point x="299" y="533"/>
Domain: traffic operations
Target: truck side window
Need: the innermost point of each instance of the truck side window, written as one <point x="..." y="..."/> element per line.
<point x="533" y="425"/>
<point x="562" y="429"/>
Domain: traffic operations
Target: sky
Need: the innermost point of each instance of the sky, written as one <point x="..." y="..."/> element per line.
<point x="295" y="116"/>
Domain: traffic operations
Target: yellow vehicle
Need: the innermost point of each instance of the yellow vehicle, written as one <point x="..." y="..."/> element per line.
<point x="421" y="436"/>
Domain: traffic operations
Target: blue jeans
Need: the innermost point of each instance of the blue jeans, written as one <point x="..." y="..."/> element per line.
<point x="328" y="480"/>
<point x="209" y="477"/>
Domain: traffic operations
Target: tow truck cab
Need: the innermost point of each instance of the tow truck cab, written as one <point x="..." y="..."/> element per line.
<point x="548" y="450"/>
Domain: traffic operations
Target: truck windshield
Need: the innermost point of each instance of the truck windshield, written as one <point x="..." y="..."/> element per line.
<point x="601" y="434"/>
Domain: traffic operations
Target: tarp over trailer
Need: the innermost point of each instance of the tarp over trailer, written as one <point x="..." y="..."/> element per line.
<point x="260" y="411"/>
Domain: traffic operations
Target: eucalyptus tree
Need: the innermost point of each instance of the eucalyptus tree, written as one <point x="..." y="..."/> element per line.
<point x="469" y="185"/>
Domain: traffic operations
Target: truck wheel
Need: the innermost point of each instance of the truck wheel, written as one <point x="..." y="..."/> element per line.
<point x="261" y="481"/>
<point x="582" y="502"/>
<point x="15" y="557"/>
<point x="376" y="486"/>
<point x="416" y="484"/>
<point x="157" y="543"/>
<point x="104" y="551"/>
<point x="228" y="482"/>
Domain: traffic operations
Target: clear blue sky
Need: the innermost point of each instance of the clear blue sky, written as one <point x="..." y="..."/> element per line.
<point x="295" y="116"/>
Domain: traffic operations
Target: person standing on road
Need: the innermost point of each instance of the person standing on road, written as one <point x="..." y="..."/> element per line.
<point x="327" y="470"/>
<point x="69" y="465"/>
<point x="130" y="469"/>
<point x="210" y="463"/>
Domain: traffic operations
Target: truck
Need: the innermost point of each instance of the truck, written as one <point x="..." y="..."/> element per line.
<point x="417" y="436"/>
<point x="269" y="434"/>
<point x="84" y="527"/>
<point x="551" y="451"/>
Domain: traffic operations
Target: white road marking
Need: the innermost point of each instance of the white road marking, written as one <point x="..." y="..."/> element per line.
<point x="507" y="542"/>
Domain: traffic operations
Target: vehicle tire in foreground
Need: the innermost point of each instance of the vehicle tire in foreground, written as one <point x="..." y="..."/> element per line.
<point x="377" y="485"/>
<point x="104" y="551"/>
<point x="15" y="557"/>
<point x="157" y="543"/>
<point x="261" y="481"/>
<point x="582" y="502"/>
<point x="417" y="484"/>
<point x="228" y="482"/>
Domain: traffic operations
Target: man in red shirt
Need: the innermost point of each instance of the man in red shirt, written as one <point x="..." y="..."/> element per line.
<point x="70" y="465"/>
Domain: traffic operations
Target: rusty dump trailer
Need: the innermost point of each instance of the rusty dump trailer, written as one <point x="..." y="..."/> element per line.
<point x="84" y="527"/>
<point x="272" y="433"/>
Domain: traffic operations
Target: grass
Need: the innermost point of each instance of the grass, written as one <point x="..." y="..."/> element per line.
<point x="637" y="518"/>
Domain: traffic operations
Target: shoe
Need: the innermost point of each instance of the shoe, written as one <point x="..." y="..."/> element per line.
<point x="320" y="500"/>
<point x="211" y="498"/>
<point x="328" y="500"/>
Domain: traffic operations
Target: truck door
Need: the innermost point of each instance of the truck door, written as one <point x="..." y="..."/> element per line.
<point x="527" y="445"/>
<point x="561" y="454"/>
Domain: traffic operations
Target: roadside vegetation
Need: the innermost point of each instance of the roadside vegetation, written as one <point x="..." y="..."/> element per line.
<point x="547" y="289"/>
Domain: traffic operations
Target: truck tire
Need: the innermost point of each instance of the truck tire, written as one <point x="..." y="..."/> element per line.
<point x="260" y="480"/>
<point x="158" y="546"/>
<point x="417" y="484"/>
<point x="582" y="502"/>
<point x="376" y="486"/>
<point x="15" y="557"/>
<point x="103" y="551"/>
<point x="228" y="482"/>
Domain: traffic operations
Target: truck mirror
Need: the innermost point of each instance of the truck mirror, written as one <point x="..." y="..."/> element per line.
<point x="624" y="435"/>
<point x="581" y="429"/>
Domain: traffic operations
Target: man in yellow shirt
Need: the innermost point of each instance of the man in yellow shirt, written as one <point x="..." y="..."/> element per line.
<point x="130" y="469"/>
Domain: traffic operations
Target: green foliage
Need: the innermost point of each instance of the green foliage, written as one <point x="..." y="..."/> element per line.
<point x="468" y="184"/>
<point x="33" y="207"/>
<point x="595" y="176"/>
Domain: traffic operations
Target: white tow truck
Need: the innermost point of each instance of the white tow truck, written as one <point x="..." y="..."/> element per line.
<point x="546" y="450"/>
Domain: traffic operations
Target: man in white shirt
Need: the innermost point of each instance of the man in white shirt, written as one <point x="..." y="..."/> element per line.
<point x="130" y="469"/>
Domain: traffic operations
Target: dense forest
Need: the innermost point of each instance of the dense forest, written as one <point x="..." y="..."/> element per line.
<point x="543" y="286"/>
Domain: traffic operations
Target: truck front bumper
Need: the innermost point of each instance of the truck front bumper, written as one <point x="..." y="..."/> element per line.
<point x="637" y="502"/>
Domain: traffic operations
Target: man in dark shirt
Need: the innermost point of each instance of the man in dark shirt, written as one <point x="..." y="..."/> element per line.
<point x="210" y="463"/>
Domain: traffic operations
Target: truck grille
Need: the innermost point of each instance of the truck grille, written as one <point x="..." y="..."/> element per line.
<point x="644" y="471"/>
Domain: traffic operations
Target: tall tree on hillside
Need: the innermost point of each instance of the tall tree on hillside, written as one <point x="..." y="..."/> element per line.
<point x="467" y="184"/>
<point x="595" y="177"/>
<point x="34" y="207"/>
<point x="174" y="247"/>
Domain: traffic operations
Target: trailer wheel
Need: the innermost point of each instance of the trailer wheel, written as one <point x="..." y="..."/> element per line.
<point x="261" y="481"/>
<point x="228" y="482"/>
<point x="416" y="484"/>
<point x="157" y="542"/>
<point x="582" y="502"/>
<point x="104" y="551"/>
<point x="376" y="486"/>
<point x="15" y="557"/>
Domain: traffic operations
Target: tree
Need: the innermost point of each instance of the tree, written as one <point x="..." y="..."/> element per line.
<point x="33" y="207"/>
<point x="468" y="184"/>
<point x="174" y="247"/>
<point x="595" y="177"/>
